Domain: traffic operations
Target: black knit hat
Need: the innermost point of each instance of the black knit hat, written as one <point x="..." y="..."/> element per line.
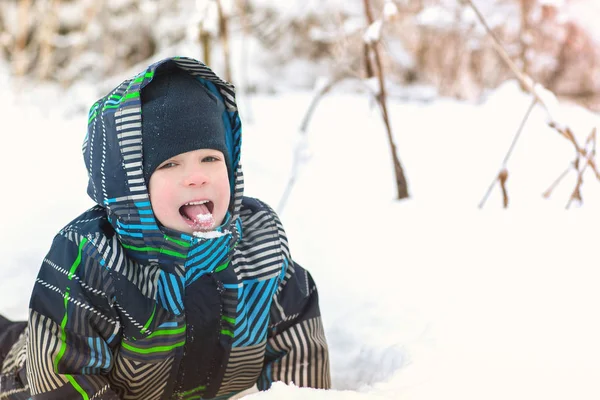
<point x="179" y="115"/>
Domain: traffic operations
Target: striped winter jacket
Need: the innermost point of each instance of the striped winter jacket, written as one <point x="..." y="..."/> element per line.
<point x="124" y="308"/>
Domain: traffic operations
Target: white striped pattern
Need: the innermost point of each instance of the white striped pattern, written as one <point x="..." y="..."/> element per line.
<point x="245" y="364"/>
<point x="131" y="319"/>
<point x="17" y="354"/>
<point x="76" y="302"/>
<point x="100" y="393"/>
<point x="133" y="378"/>
<point x="42" y="348"/>
<point x="306" y="362"/>
<point x="15" y="391"/>
<point x="130" y="144"/>
<point x="102" y="173"/>
<point x="259" y="254"/>
<point x="83" y="284"/>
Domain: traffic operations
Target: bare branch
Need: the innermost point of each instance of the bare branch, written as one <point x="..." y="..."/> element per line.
<point x="576" y="195"/>
<point x="568" y="134"/>
<point x="525" y="80"/>
<point x="554" y="184"/>
<point x="502" y="177"/>
<point x="48" y="32"/>
<point x="544" y="97"/>
<point x="300" y="147"/>
<point x="401" y="185"/>
<point x="507" y="156"/>
<point x="224" y="35"/>
<point x="21" y="62"/>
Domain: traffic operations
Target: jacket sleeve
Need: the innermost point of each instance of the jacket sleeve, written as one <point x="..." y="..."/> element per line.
<point x="296" y="347"/>
<point x="72" y="327"/>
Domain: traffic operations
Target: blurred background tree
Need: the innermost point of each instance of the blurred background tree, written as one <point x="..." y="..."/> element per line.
<point x="264" y="44"/>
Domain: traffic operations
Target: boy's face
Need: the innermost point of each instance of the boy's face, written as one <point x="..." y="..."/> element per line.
<point x="190" y="192"/>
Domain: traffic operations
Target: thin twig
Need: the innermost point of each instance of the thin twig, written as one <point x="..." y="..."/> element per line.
<point x="89" y="15"/>
<point x="20" y="60"/>
<point x="518" y="134"/>
<point x="48" y="33"/>
<point x="576" y="194"/>
<point x="348" y="75"/>
<point x="549" y="191"/>
<point x="298" y="150"/>
<point x="570" y="137"/>
<point x="508" y="154"/>
<point x="525" y="80"/>
<point x="401" y="185"/>
<point x="313" y="104"/>
<point x="528" y="84"/>
<point x="243" y="89"/>
<point x="525" y="7"/>
<point x="502" y="177"/>
<point x="224" y="35"/>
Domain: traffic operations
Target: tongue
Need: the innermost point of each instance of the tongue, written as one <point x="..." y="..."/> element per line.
<point x="200" y="216"/>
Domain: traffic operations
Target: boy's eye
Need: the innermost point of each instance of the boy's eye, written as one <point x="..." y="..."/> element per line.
<point x="210" y="159"/>
<point x="167" y="165"/>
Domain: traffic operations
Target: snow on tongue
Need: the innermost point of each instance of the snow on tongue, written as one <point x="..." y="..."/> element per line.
<point x="200" y="215"/>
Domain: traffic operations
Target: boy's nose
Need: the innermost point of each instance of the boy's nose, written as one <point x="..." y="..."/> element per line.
<point x="195" y="177"/>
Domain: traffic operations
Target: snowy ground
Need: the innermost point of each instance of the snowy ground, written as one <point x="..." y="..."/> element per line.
<point x="428" y="298"/>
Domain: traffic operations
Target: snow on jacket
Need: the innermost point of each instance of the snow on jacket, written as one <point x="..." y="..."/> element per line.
<point x="124" y="308"/>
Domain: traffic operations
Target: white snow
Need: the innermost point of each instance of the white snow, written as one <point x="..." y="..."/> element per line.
<point x="551" y="103"/>
<point x="436" y="16"/>
<point x="209" y="234"/>
<point x="389" y="9"/>
<point x="373" y="32"/>
<point x="552" y="3"/>
<point x="204" y="217"/>
<point x="427" y="298"/>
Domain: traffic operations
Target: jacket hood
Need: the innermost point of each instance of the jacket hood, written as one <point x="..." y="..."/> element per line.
<point x="113" y="156"/>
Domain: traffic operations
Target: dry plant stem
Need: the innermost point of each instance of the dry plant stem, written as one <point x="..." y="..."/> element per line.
<point x="402" y="187"/>
<point x="525" y="7"/>
<point x="502" y="177"/>
<point x="570" y="137"/>
<point x="90" y="14"/>
<point x="518" y="134"/>
<point x="576" y="195"/>
<point x="223" y="33"/>
<point x="315" y="101"/>
<point x="525" y="81"/>
<point x="574" y="165"/>
<point x="20" y="60"/>
<point x="507" y="156"/>
<point x="350" y="75"/>
<point x="205" y="42"/>
<point x="48" y="34"/>
<point x="368" y="67"/>
<point x="303" y="128"/>
<point x="554" y="184"/>
<point x="242" y="85"/>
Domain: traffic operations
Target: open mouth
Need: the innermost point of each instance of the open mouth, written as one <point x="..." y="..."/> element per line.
<point x="198" y="214"/>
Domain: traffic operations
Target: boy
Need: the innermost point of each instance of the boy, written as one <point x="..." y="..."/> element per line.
<point x="174" y="286"/>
